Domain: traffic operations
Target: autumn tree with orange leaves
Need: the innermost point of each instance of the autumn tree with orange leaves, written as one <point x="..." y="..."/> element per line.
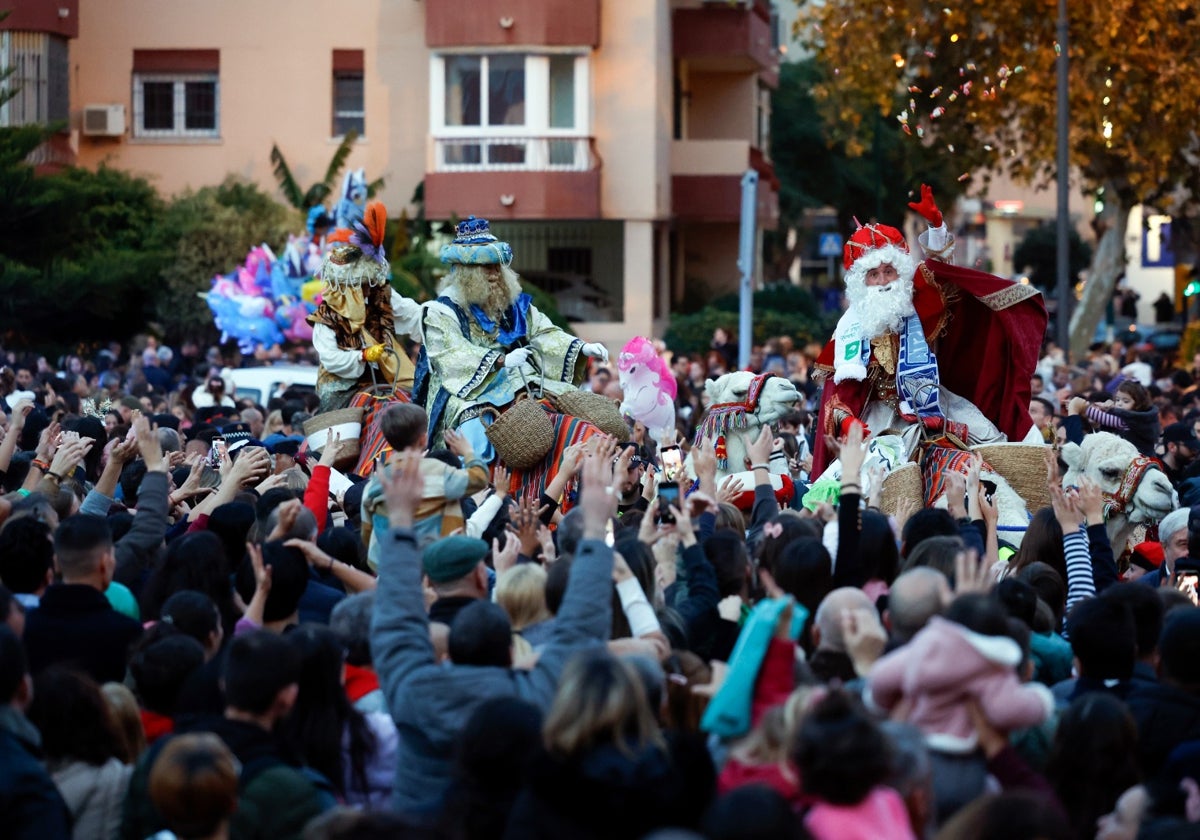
<point x="977" y="77"/>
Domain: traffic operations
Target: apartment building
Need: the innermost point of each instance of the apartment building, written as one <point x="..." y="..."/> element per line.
<point x="605" y="139"/>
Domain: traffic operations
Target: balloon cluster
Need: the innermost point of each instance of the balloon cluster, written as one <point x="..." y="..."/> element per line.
<point x="267" y="300"/>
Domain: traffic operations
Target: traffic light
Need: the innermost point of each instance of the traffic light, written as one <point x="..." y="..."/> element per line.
<point x="1192" y="288"/>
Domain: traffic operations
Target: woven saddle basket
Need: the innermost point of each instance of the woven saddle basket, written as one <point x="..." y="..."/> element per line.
<point x="522" y="433"/>
<point x="597" y="409"/>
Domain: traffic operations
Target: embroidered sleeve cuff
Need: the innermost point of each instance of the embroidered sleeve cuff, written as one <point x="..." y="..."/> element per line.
<point x="570" y="361"/>
<point x="485" y="367"/>
<point x="938" y="243"/>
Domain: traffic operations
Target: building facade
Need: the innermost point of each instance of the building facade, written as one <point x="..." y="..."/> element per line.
<point x="605" y="139"/>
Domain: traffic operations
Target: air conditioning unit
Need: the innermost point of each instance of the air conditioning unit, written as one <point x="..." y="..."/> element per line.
<point x="104" y="120"/>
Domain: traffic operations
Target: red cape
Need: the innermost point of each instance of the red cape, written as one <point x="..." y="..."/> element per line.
<point x="987" y="333"/>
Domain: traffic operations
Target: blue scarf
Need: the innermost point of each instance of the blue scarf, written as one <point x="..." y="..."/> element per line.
<point x="513" y="325"/>
<point x="917" y="372"/>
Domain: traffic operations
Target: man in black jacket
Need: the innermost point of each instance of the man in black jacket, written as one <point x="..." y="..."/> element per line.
<point x="30" y="805"/>
<point x="74" y="623"/>
<point x="276" y="798"/>
<point x="1167" y="713"/>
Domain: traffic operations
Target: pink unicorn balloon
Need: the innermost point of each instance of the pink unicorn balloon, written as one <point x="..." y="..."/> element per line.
<point x="649" y="389"/>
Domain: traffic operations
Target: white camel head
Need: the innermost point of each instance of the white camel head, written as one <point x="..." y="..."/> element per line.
<point x="742" y="402"/>
<point x="1137" y="492"/>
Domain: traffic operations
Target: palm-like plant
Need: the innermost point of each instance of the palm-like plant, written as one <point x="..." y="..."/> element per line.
<point x="318" y="192"/>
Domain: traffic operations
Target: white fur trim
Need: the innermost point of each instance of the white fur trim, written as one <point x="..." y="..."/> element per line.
<point x="998" y="649"/>
<point x="849" y="370"/>
<point x="941" y="742"/>
<point x="898" y="258"/>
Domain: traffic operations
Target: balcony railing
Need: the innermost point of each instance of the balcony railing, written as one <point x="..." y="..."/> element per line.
<point x="514" y="154"/>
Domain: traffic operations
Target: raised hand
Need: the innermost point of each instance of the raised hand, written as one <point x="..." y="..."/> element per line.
<point x="48" y="442"/>
<point x="1091" y="501"/>
<point x="704" y="461"/>
<point x="68" y="456"/>
<point x="853" y="454"/>
<point x="149" y="446"/>
<point x="288" y="512"/>
<point x="730" y="489"/>
<point x="527" y="517"/>
<point x="1066" y="509"/>
<point x="501" y="479"/>
<point x="21" y="411"/>
<point x="332" y="449"/>
<point x="458" y="443"/>
<point x="927" y="208"/>
<point x="759" y="449"/>
<point x="597" y="497"/>
<point x="971" y="573"/>
<point x="505" y="558"/>
<point x="252" y="463"/>
<point x="864" y="636"/>
<point x="956" y="491"/>
<point x="262" y="572"/>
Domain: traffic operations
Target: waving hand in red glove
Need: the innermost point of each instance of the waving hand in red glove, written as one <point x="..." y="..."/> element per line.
<point x="927" y="208"/>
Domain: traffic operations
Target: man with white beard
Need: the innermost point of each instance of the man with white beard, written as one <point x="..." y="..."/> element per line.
<point x="881" y="367"/>
<point x="483" y="339"/>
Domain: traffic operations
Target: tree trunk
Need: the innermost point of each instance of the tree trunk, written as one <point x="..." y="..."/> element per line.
<point x="1108" y="264"/>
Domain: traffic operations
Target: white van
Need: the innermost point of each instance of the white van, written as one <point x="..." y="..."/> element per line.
<point x="262" y="383"/>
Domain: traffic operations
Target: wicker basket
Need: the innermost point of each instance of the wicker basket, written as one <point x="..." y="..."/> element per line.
<point x="901" y="485"/>
<point x="346" y="422"/>
<point x="597" y="409"/>
<point x="523" y="434"/>
<point x="1023" y="466"/>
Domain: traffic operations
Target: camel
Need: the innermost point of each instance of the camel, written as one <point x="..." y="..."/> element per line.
<point x="742" y="402"/>
<point x="1136" y="490"/>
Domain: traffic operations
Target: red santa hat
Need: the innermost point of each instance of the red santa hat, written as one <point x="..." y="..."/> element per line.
<point x="871" y="244"/>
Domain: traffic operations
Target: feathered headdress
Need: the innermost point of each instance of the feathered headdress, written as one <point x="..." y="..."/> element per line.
<point x="357" y="254"/>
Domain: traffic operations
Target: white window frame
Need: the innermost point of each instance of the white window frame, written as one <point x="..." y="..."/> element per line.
<point x="179" y="101"/>
<point x="537" y="108"/>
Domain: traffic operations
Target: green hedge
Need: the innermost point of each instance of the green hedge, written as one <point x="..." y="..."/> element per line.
<point x="780" y="310"/>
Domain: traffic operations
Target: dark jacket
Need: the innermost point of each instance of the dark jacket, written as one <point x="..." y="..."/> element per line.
<point x="75" y="624"/>
<point x="138" y="549"/>
<point x="30" y="805"/>
<point x="1166" y="716"/>
<point x="447" y="609"/>
<point x="275" y="798"/>
<point x="607" y="793"/>
<point x="432" y="702"/>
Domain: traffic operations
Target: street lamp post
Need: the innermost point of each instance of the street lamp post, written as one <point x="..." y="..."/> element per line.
<point x="1063" y="292"/>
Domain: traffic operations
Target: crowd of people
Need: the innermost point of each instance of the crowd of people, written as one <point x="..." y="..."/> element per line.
<point x="201" y="640"/>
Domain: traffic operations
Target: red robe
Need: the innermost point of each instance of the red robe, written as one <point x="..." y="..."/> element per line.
<point x="987" y="333"/>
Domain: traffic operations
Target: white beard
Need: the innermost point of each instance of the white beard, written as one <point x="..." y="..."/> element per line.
<point x="882" y="309"/>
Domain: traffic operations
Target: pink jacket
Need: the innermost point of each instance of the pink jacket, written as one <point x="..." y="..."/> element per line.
<point x="943" y="667"/>
<point x="880" y="815"/>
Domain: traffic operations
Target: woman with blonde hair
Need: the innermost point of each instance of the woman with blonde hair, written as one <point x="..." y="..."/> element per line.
<point x="607" y="770"/>
<point x="274" y="423"/>
<point x="521" y="591"/>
